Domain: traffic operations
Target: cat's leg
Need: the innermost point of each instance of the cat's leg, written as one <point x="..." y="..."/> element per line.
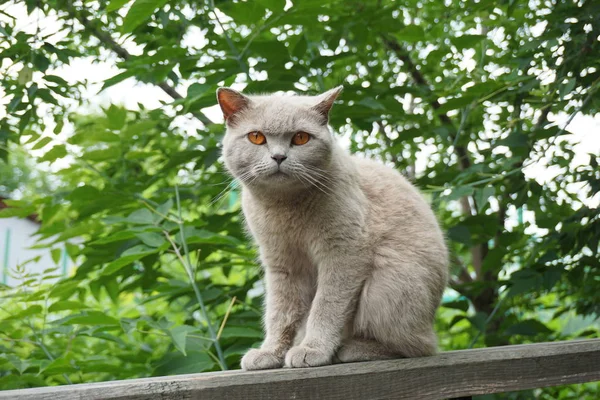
<point x="288" y="296"/>
<point x="397" y="306"/>
<point x="358" y="349"/>
<point x="340" y="278"/>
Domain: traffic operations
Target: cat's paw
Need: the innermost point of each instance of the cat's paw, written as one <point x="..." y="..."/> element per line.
<point x="260" y="359"/>
<point x="302" y="356"/>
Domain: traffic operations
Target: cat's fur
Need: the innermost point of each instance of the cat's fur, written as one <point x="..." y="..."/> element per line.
<point x="355" y="262"/>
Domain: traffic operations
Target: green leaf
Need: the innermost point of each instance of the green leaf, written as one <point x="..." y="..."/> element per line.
<point x="136" y="129"/>
<point x="456" y="319"/>
<point x="56" y="255"/>
<point x="130" y="255"/>
<point x="165" y="207"/>
<point x="28" y="312"/>
<point x="112" y="288"/>
<point x="118" y="78"/>
<point x="137" y="250"/>
<point x="481" y="196"/>
<point x="194" y="235"/>
<point x="41" y="143"/>
<point x="567" y="88"/>
<point x="528" y="327"/>
<point x="142" y="216"/>
<point x="64" y="288"/>
<point x="177" y="363"/>
<point x="514" y="140"/>
<point x="455" y="103"/>
<point x="56" y="152"/>
<point x="467" y="41"/>
<point x="151" y="239"/>
<point x="25" y="75"/>
<point x="20" y="365"/>
<point x="62" y="365"/>
<point x="273" y="5"/>
<point x="247" y="12"/>
<point x="59" y="126"/>
<point x="116" y="117"/>
<point x="99" y="155"/>
<point x="56" y="79"/>
<point x="300" y="47"/>
<point x="116" y="4"/>
<point x="239" y="332"/>
<point x="179" y="335"/>
<point x="139" y="12"/>
<point x="17" y="212"/>
<point x="197" y="90"/>
<point x="524" y="281"/>
<point x="116" y="236"/>
<point x="460" y="234"/>
<point x="62" y="305"/>
<point x="89" y="318"/>
<point x="14" y="103"/>
<point x="478" y="320"/>
<point x="411" y="34"/>
<point x="462" y="305"/>
<point x="93" y="135"/>
<point x="371" y="103"/>
<point x="460" y="192"/>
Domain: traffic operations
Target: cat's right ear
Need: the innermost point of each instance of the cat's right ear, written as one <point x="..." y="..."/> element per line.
<point x="325" y="102"/>
<point x="231" y="102"/>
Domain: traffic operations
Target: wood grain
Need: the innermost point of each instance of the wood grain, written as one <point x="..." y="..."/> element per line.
<point x="452" y="374"/>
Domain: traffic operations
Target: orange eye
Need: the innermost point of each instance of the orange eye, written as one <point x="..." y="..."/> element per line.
<point x="300" y="138"/>
<point x="257" y="138"/>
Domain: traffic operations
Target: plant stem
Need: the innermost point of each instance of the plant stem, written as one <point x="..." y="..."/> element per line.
<point x="225" y="318"/>
<point x="187" y="264"/>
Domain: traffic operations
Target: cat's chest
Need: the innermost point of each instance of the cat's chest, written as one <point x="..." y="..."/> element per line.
<point x="281" y="223"/>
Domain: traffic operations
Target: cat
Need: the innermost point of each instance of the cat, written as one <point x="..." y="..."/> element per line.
<point x="355" y="262"/>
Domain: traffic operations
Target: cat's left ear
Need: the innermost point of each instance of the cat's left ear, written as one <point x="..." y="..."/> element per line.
<point x="325" y="102"/>
<point x="231" y="102"/>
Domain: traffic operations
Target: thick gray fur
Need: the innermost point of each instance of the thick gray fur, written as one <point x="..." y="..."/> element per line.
<point x="355" y="262"/>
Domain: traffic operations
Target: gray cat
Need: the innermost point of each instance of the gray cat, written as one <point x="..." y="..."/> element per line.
<point x="355" y="262"/>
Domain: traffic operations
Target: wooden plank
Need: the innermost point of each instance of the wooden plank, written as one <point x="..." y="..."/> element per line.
<point x="451" y="374"/>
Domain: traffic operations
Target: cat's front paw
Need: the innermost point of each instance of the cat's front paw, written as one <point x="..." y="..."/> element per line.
<point x="302" y="357"/>
<point x="260" y="359"/>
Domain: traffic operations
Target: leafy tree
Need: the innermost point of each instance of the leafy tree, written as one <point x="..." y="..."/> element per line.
<point x="472" y="88"/>
<point x="19" y="177"/>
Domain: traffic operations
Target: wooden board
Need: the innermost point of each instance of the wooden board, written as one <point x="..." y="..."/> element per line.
<point x="451" y="374"/>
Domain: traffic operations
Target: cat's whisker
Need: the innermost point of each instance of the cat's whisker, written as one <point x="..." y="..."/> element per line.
<point x="232" y="185"/>
<point x="318" y="171"/>
<point x="315" y="183"/>
<point x="322" y="177"/>
<point x="228" y="181"/>
<point x="304" y="178"/>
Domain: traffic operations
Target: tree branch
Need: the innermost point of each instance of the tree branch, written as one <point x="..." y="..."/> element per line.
<point x="419" y="79"/>
<point x="111" y="44"/>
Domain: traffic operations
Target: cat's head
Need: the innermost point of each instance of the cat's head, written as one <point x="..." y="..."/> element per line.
<point x="277" y="141"/>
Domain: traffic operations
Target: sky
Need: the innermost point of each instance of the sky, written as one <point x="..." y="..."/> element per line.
<point x="585" y="130"/>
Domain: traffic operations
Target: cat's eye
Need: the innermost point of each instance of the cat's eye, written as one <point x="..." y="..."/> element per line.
<point x="257" y="138"/>
<point x="300" y="138"/>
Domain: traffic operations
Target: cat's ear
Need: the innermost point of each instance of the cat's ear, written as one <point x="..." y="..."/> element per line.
<point x="231" y="102"/>
<point x="325" y="102"/>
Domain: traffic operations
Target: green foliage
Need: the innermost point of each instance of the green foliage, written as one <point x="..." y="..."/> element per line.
<point x="19" y="177"/>
<point x="472" y="88"/>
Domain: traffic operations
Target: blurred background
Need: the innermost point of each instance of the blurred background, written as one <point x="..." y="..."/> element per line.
<point x="122" y="250"/>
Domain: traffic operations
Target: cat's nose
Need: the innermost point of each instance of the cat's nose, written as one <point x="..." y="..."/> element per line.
<point x="279" y="158"/>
